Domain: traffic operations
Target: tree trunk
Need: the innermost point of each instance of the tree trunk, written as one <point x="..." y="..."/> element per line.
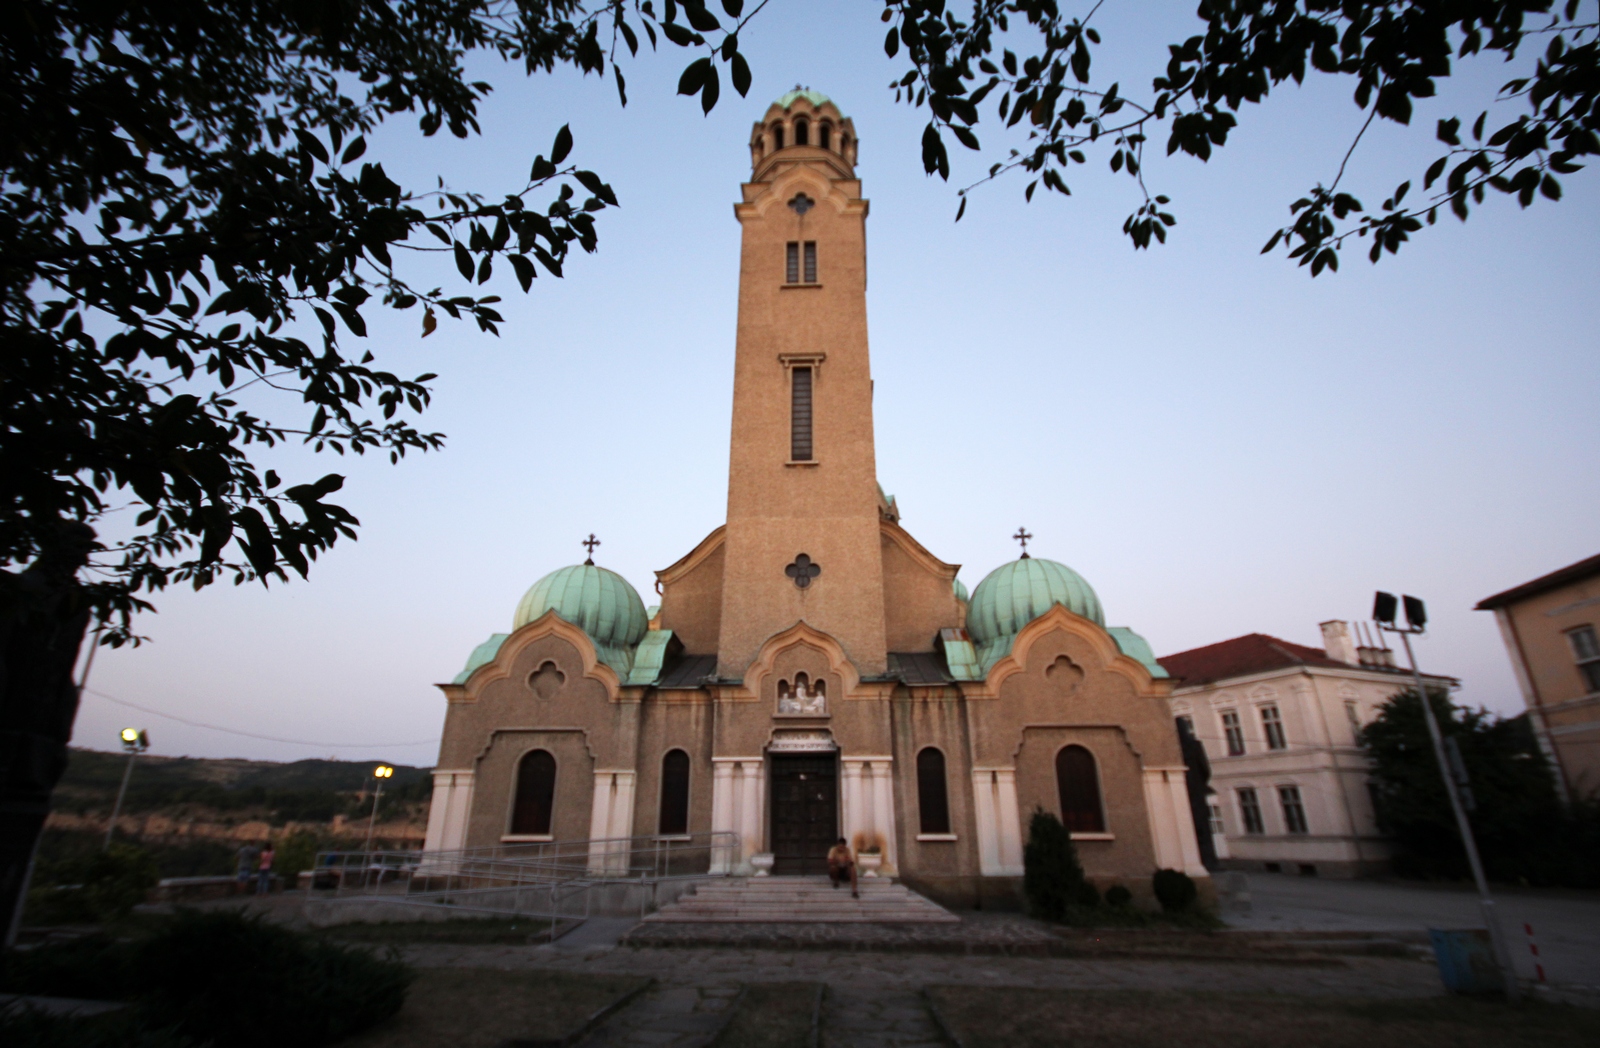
<point x="43" y="618"/>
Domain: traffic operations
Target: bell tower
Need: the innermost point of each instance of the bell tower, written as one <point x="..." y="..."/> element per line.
<point x="802" y="539"/>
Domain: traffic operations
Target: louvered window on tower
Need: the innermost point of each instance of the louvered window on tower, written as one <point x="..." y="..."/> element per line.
<point x="792" y="271"/>
<point x="800" y="415"/>
<point x="811" y="261"/>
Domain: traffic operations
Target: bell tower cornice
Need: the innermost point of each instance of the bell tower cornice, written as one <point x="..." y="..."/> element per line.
<point x="804" y="127"/>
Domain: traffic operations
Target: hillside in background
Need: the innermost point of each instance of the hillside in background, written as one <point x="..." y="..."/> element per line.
<point x="187" y="788"/>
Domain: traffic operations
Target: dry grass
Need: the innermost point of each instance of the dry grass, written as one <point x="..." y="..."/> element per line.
<point x="1014" y="1017"/>
<point x="485" y="1008"/>
<point x="772" y="1015"/>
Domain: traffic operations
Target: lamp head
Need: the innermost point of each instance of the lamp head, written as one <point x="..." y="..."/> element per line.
<point x="383" y="771"/>
<point x="1416" y="613"/>
<point x="130" y="736"/>
<point x="1383" y="608"/>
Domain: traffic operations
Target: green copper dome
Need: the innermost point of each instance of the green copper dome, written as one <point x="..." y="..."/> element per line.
<point x="816" y="98"/>
<point x="1014" y="594"/>
<point x="960" y="589"/>
<point x="597" y="601"/>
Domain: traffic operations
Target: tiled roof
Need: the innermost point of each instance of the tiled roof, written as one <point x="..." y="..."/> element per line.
<point x="1241" y="656"/>
<point x="1571" y="573"/>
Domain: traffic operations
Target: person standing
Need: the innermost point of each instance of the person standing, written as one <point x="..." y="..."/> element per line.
<point x="841" y="864"/>
<point x="249" y="854"/>
<point x="264" y="881"/>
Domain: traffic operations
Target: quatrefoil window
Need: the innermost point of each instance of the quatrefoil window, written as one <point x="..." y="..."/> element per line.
<point x="803" y="571"/>
<point x="802" y="203"/>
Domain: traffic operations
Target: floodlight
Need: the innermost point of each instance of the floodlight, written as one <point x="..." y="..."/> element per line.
<point x="1416" y="614"/>
<point x="383" y="771"/>
<point x="130" y="735"/>
<point x="1383" y="608"/>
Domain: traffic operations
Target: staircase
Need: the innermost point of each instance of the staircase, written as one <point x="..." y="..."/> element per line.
<point x="811" y="900"/>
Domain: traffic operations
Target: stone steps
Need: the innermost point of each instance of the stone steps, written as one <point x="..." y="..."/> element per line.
<point x="765" y="900"/>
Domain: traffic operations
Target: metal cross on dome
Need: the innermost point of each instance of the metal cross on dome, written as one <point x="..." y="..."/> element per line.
<point x="589" y="544"/>
<point x="803" y="571"/>
<point x="1022" y="536"/>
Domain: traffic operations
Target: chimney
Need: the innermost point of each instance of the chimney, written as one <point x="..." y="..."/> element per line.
<point x="1337" y="642"/>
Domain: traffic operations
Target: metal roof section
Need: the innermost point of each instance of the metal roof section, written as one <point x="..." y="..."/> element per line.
<point x="1135" y="646"/>
<point x="649" y="657"/>
<point x="596" y="600"/>
<point x="482" y="655"/>
<point x="688" y="671"/>
<point x="959" y="655"/>
<point x="918" y="667"/>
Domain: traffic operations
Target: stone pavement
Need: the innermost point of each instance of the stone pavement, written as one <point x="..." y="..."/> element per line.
<point x="1566" y="924"/>
<point x="874" y="998"/>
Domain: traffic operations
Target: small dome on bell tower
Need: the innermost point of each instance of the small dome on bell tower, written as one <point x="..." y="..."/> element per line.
<point x="803" y="125"/>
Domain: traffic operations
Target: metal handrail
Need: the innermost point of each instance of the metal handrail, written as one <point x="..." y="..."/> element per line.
<point x="507" y="877"/>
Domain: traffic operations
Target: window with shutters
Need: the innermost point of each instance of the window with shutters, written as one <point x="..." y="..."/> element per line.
<point x="1233" y="733"/>
<point x="800" y="449"/>
<point x="933" y="800"/>
<point x="674" y="794"/>
<point x="1294" y="810"/>
<point x="796" y="272"/>
<point x="1250" y="810"/>
<point x="811" y="261"/>
<point x="1272" y="727"/>
<point x="791" y="265"/>
<point x="1078" y="782"/>
<point x="536" y="793"/>
<point x="1586" y="651"/>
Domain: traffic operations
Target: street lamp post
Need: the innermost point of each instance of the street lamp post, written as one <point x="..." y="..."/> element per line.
<point x="381" y="772"/>
<point x="1383" y="609"/>
<point x="134" y="742"/>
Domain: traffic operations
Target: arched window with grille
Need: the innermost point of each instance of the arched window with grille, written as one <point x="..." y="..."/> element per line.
<point x="1079" y="784"/>
<point x="933" y="798"/>
<point x="674" y="794"/>
<point x="536" y="794"/>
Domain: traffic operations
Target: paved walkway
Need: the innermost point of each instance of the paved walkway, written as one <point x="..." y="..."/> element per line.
<point x="874" y="999"/>
<point x="1565" y="924"/>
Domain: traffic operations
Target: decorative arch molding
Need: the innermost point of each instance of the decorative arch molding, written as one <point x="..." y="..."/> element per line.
<point x="494" y="735"/>
<point x="547" y="625"/>
<point x="694" y="558"/>
<point x="1117" y="730"/>
<point x="1104" y="646"/>
<point x="796" y="179"/>
<point x="916" y="551"/>
<point x="800" y="635"/>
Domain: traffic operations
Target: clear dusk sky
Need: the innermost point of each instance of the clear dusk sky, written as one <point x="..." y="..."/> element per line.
<point x="1218" y="443"/>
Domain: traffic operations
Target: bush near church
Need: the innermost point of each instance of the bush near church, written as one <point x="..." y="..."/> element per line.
<point x="1175" y="890"/>
<point x="1524" y="833"/>
<point x="225" y="978"/>
<point x="1052" y="877"/>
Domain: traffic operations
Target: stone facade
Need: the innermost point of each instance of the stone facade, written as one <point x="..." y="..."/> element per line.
<point x="809" y="656"/>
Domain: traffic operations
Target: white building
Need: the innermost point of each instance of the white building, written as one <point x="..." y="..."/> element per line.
<point x="1279" y="722"/>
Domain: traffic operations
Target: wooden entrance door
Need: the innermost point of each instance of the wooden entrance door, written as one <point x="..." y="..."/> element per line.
<point x="805" y="811"/>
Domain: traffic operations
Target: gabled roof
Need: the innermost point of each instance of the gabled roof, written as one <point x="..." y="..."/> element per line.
<point x="1242" y="656"/>
<point x="1571" y="573"/>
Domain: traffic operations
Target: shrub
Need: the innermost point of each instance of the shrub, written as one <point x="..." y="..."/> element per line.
<point x="27" y="1028"/>
<point x="235" y="980"/>
<point x="103" y="886"/>
<point x="294" y="853"/>
<point x="94" y="967"/>
<point x="223" y="977"/>
<point x="1052" y="879"/>
<point x="1118" y="896"/>
<point x="1174" y="890"/>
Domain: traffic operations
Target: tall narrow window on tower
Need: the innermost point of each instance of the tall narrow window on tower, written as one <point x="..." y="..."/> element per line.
<point x="800" y="415"/>
<point x="792" y="269"/>
<point x="811" y="261"/>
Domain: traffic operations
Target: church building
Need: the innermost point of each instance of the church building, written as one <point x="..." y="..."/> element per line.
<point x="812" y="671"/>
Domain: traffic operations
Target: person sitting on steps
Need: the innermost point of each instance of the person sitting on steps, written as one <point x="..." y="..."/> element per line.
<point x="842" y="864"/>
